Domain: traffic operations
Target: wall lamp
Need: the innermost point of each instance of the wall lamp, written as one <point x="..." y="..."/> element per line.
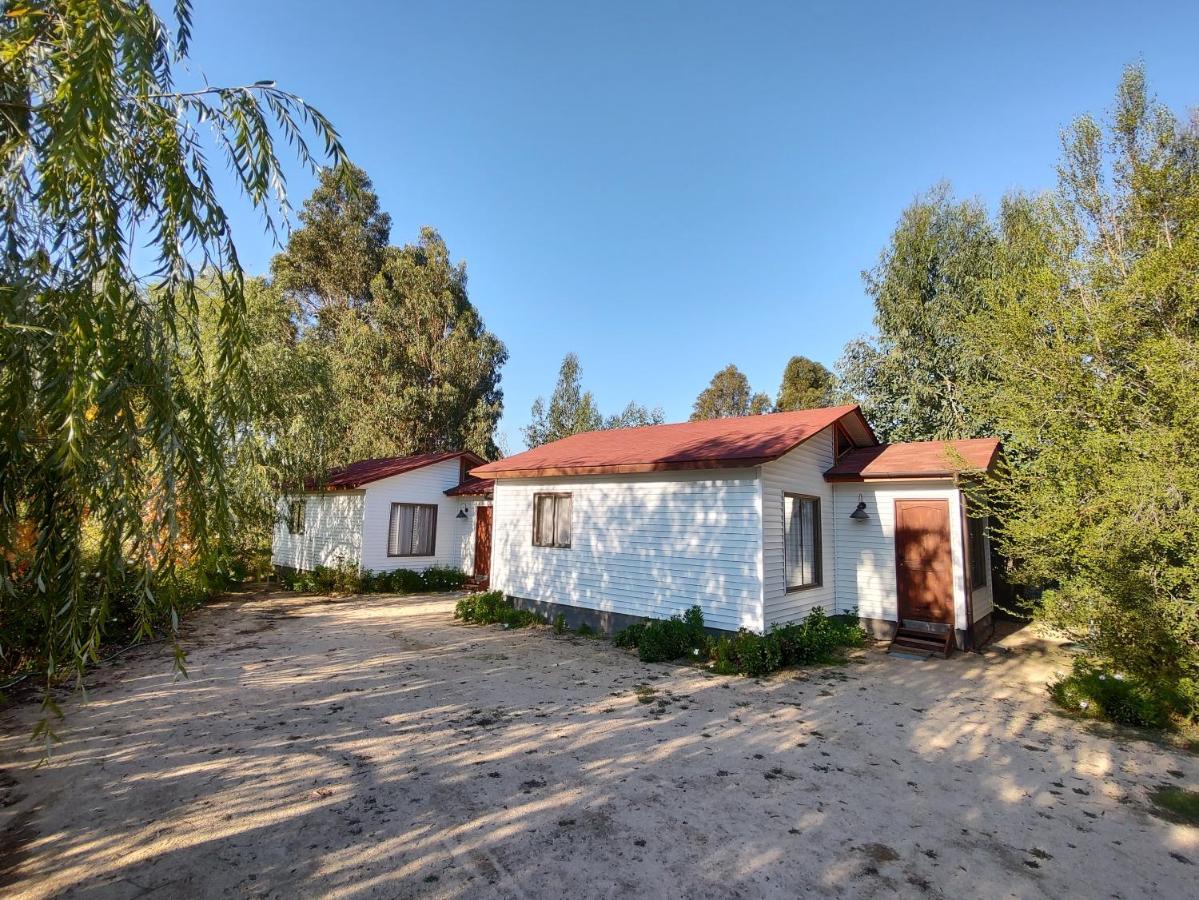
<point x="860" y="513"/>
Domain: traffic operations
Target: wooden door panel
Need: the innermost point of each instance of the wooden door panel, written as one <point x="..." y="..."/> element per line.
<point x="923" y="560"/>
<point x="482" y="542"/>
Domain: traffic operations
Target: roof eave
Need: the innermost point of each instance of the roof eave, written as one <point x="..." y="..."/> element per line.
<point x="629" y="468"/>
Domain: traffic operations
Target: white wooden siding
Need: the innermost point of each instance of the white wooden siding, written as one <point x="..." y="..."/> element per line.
<point x="866" y="577"/>
<point x="642" y="545"/>
<point x="425" y="485"/>
<point x="799" y="472"/>
<point x="332" y="533"/>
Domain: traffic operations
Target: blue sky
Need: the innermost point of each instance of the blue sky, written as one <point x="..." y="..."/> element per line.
<point x="669" y="187"/>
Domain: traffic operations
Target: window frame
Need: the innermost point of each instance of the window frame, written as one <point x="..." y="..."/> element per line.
<point x="557" y="496"/>
<point x="391" y="518"/>
<point x="976" y="531"/>
<point x="817" y="542"/>
<point x="296" y="523"/>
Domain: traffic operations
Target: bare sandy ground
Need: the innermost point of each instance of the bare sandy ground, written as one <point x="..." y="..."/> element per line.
<point x="371" y="747"/>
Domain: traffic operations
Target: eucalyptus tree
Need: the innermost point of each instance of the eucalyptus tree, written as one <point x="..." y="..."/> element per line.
<point x="727" y="395"/>
<point x="806" y="384"/>
<point x="416" y="369"/>
<point x="112" y="463"/>
<point x="571" y="409"/>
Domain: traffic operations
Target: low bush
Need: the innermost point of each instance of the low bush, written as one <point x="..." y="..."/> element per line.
<point x="663" y="640"/>
<point x="347" y="580"/>
<point x="1097" y="692"/>
<point x="491" y="608"/>
<point x="819" y="638"/>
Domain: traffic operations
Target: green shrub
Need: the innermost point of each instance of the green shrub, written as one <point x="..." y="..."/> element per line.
<point x="818" y="639"/>
<point x="663" y="640"/>
<point x="1097" y="692"/>
<point x="560" y="624"/>
<point x="442" y="578"/>
<point x="629" y="638"/>
<point x="586" y="630"/>
<point x="491" y="608"/>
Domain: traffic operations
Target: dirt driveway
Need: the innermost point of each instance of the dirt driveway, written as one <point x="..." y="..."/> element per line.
<point x="370" y="747"/>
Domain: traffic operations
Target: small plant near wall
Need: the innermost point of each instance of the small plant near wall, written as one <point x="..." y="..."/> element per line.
<point x="491" y="608"/>
<point x="347" y="580"/>
<point x="664" y="640"/>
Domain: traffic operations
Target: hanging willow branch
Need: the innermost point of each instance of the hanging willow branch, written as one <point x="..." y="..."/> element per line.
<point x="112" y="474"/>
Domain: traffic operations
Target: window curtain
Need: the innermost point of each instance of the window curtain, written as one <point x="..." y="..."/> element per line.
<point x="799" y="541"/>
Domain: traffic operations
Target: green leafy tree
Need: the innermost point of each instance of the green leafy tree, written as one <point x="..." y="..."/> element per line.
<point x="416" y="370"/>
<point x="571" y="409"/>
<point x="635" y="415"/>
<point x="729" y="395"/>
<point x="103" y="438"/>
<point x="1092" y="335"/>
<point x="335" y="254"/>
<point x="919" y="378"/>
<point x="280" y="431"/>
<point x="806" y="385"/>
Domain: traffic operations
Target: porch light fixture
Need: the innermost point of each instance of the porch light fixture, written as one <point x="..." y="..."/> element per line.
<point x="860" y="513"/>
<point x="461" y="513"/>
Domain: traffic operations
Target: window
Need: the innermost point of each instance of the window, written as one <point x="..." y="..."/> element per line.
<point x="413" y="529"/>
<point x="295" y="516"/>
<point x="551" y="520"/>
<point x="976" y="534"/>
<point x="801" y="541"/>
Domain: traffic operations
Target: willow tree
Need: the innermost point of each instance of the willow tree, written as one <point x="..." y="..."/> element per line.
<point x="111" y="464"/>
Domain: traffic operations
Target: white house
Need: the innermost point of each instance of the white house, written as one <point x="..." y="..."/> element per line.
<point x="403" y="512"/>
<point x="757" y="520"/>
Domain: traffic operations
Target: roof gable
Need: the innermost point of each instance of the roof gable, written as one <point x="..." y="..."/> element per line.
<point x="709" y="444"/>
<point x="365" y="471"/>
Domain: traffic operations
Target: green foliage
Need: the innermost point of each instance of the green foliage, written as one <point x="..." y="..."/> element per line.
<point x="415" y="370"/>
<point x="729" y="395"/>
<point x="1068" y="326"/>
<point x="573" y="410"/>
<point x="818" y="639"/>
<point x="921" y="378"/>
<point x="104" y="437"/>
<point x="806" y="384"/>
<point x="586" y="630"/>
<point x="1099" y="693"/>
<point x="560" y="624"/>
<point x="347" y="580"/>
<point x="491" y="608"/>
<point x="338" y="249"/>
<point x="629" y="638"/>
<point x="1177" y="804"/>
<point x="663" y="640"/>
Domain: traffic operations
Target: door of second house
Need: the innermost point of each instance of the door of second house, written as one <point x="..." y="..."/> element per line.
<point x="482" y="544"/>
<point x="923" y="561"/>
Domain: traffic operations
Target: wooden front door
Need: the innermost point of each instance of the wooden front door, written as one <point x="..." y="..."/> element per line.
<point x="482" y="543"/>
<point x="923" y="560"/>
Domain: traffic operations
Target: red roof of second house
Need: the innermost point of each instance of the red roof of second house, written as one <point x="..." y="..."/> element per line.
<point x="364" y="472"/>
<point x="709" y="444"/>
<point x="472" y="487"/>
<point x="919" y="459"/>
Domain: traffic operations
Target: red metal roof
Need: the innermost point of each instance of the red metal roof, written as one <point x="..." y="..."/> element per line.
<point x="472" y="487"/>
<point x="357" y="474"/>
<point x="710" y="444"/>
<point x="919" y="459"/>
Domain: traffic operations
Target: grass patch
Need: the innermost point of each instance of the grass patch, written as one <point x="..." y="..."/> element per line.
<point x="491" y="608"/>
<point x="1096" y="692"/>
<point x="1176" y="804"/>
